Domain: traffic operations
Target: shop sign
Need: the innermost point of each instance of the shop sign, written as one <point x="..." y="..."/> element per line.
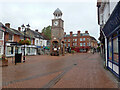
<point x="113" y="22"/>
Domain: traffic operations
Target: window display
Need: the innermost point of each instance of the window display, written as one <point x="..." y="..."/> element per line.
<point x="110" y="49"/>
<point x="115" y="50"/>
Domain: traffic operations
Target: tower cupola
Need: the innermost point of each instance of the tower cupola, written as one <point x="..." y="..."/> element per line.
<point x="57" y="13"/>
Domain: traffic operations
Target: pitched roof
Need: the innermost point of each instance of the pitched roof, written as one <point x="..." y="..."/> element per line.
<point x="36" y="34"/>
<point x="6" y="29"/>
<point x="93" y="38"/>
<point x="45" y="37"/>
<point x="1" y="27"/>
<point x="17" y="32"/>
<point x="57" y="12"/>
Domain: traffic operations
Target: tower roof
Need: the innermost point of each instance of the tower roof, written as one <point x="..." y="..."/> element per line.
<point x="58" y="12"/>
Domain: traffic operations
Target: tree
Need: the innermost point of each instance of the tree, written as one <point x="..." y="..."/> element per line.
<point x="47" y="31"/>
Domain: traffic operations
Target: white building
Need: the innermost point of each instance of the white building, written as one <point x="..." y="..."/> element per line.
<point x="109" y="21"/>
<point x="40" y="41"/>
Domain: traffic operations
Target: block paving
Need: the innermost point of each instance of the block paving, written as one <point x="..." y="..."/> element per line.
<point x="80" y="70"/>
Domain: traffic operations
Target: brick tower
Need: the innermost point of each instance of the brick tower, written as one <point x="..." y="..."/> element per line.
<point x="57" y="33"/>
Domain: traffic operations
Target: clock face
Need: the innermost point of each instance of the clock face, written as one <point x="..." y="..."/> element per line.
<point x="56" y="23"/>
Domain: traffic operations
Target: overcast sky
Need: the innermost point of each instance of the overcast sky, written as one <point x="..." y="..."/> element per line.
<point x="77" y="14"/>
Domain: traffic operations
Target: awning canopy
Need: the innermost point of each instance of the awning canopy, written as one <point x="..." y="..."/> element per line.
<point x="113" y="23"/>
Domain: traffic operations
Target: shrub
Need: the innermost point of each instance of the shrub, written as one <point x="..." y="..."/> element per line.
<point x="72" y="51"/>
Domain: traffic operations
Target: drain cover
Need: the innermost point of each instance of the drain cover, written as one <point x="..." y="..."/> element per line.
<point x="75" y="64"/>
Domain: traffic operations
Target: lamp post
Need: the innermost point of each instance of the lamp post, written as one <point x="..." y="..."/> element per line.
<point x="23" y="27"/>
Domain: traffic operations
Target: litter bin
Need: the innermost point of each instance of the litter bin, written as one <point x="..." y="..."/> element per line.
<point x="18" y="58"/>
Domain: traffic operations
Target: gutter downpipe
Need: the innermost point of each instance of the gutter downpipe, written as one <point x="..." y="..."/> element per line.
<point x="106" y="63"/>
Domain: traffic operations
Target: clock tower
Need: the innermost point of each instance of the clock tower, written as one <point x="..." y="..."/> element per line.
<point x="57" y="32"/>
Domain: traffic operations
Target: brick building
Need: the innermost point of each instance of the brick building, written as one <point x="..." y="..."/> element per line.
<point x="12" y="38"/>
<point x="80" y="42"/>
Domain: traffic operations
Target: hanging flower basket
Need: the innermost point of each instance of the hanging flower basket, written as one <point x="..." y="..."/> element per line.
<point x="27" y="42"/>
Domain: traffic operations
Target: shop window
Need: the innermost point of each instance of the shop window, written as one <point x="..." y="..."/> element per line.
<point x="28" y="49"/>
<point x="19" y="50"/>
<point x="110" y="49"/>
<point x="10" y="50"/>
<point x="115" y="50"/>
<point x="40" y="43"/>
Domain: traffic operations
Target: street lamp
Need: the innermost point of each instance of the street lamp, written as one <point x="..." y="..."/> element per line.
<point x="23" y="27"/>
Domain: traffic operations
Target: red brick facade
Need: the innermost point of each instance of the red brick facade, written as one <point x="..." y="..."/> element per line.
<point x="80" y="41"/>
<point x="15" y="37"/>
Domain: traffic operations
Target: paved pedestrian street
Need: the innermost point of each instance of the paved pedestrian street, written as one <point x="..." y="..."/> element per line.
<point x="79" y="70"/>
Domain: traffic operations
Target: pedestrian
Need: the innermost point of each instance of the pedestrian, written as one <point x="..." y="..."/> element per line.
<point x="93" y="50"/>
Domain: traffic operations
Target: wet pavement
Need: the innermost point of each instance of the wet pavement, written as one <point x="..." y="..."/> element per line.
<point x="71" y="71"/>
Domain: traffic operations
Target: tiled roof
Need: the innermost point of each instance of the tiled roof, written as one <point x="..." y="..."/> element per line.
<point x="46" y="38"/>
<point x="93" y="38"/>
<point x="1" y="26"/>
<point x="17" y="32"/>
<point x="10" y="31"/>
<point x="36" y="34"/>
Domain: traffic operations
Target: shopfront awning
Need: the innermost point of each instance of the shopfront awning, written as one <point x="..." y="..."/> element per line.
<point x="113" y="23"/>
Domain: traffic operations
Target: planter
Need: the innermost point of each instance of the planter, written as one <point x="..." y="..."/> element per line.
<point x="4" y="62"/>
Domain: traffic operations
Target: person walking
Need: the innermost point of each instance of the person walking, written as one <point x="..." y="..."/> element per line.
<point x="93" y="50"/>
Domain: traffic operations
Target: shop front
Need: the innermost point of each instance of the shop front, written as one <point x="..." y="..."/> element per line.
<point x="113" y="55"/>
<point x="29" y="50"/>
<point x="112" y="33"/>
<point x="10" y="50"/>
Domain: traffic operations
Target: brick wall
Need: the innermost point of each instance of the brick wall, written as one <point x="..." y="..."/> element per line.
<point x="16" y="38"/>
<point x="75" y="41"/>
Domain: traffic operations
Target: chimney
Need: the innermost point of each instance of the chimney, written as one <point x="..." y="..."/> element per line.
<point x="78" y="33"/>
<point x="19" y="28"/>
<point x="86" y="31"/>
<point x="7" y="25"/>
<point x="36" y="30"/>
